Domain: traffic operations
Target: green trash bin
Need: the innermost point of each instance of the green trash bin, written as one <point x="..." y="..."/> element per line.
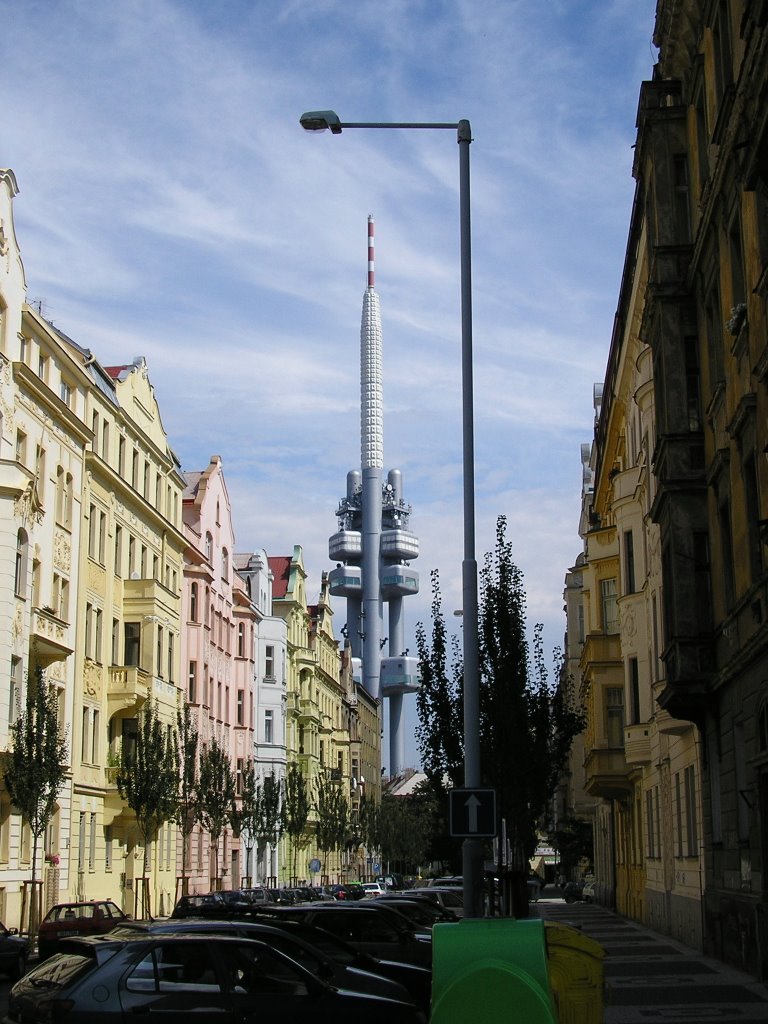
<point x="491" y="970"/>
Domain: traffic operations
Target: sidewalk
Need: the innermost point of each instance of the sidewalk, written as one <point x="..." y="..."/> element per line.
<point x="653" y="979"/>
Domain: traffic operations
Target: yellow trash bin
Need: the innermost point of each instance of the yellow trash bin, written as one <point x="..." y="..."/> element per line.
<point x="575" y="966"/>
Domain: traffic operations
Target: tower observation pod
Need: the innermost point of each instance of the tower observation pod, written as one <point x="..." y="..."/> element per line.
<point x="373" y="546"/>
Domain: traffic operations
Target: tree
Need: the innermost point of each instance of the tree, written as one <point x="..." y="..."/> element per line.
<point x="147" y="779"/>
<point x="186" y="799"/>
<point x="216" y="798"/>
<point x="245" y="817"/>
<point x="332" y="815"/>
<point x="35" y="768"/>
<point x="295" y="814"/>
<point x="269" y="826"/>
<point x="574" y="841"/>
<point x="526" y="725"/>
<point x="440" y="701"/>
<point x="406" y="828"/>
<point x="369" y="820"/>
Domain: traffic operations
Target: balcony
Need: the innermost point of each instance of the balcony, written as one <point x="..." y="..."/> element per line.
<point x="50" y="635"/>
<point x="601" y="649"/>
<point x="127" y="687"/>
<point x="637" y="744"/>
<point x="606" y="773"/>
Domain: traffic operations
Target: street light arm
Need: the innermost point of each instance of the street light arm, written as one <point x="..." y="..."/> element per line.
<point x="322" y="120"/>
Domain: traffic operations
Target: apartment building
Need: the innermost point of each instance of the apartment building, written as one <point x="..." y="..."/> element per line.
<point x="675" y="581"/>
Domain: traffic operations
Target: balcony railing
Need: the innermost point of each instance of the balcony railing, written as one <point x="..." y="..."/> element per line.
<point x="128" y="687"/>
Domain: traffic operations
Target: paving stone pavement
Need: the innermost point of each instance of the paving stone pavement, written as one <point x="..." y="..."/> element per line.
<point x="653" y="979"/>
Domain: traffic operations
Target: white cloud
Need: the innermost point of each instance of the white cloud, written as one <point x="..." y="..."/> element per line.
<point x="171" y="206"/>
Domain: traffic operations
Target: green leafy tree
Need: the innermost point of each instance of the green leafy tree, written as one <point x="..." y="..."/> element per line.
<point x="407" y="826"/>
<point x="245" y="816"/>
<point x="147" y="779"/>
<point x="295" y="813"/>
<point x="573" y="840"/>
<point x="526" y="724"/>
<point x="369" y="821"/>
<point x="34" y="770"/>
<point x="269" y="826"/>
<point x="185" y="811"/>
<point x="333" y="815"/>
<point x="440" y="701"/>
<point x="215" y="798"/>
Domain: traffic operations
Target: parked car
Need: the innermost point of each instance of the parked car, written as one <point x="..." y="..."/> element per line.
<point x="64" y="920"/>
<point x="222" y="978"/>
<point x="415" y="978"/>
<point x="257" y="894"/>
<point x="371" y="889"/>
<point x="421" y="913"/>
<point x="13" y="952"/>
<point x="445" y="882"/>
<point x="449" y="899"/>
<point x="210" y="904"/>
<point x="572" y="892"/>
<point x="294" y="940"/>
<point x="378" y="930"/>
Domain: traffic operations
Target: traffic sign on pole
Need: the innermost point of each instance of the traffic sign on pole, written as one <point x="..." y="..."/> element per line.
<point x="472" y="813"/>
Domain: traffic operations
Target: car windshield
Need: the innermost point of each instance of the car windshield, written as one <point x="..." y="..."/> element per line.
<point x="60" y="970"/>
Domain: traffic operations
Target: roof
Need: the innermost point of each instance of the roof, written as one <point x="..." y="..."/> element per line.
<point x="280" y="566"/>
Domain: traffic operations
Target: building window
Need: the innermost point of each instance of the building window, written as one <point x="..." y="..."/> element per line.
<point x="634" y="691"/>
<point x="115" y="641"/>
<point x="65" y="393"/>
<point x="224" y="564"/>
<point x="629" y="562"/>
<point x="22" y="558"/>
<point x="241" y="707"/>
<point x="108" y="841"/>
<point x="614" y="716"/>
<point x="240" y="765"/>
<point x="269" y="662"/>
<point x="193" y="603"/>
<point x="159" y="659"/>
<point x="170" y="656"/>
<point x="268" y="723"/>
<point x="610" y="608"/>
<point x="14" y="702"/>
<point x="691" y="827"/>
<point x="132" y="643"/>
<point x="241" y="640"/>
<point x="726" y="551"/>
<point x="192" y="683"/>
<point x="209" y="547"/>
<point x="118" y="551"/>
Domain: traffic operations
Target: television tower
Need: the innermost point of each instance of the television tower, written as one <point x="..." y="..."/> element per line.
<point x="373" y="546"/>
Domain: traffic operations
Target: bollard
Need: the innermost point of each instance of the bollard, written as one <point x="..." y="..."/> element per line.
<point x="486" y="970"/>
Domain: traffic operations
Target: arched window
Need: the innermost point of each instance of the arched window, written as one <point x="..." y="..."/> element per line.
<point x="193" y="603"/>
<point x="22" y="556"/>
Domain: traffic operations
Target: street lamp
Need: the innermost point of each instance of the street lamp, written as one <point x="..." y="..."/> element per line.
<point x="472" y="852"/>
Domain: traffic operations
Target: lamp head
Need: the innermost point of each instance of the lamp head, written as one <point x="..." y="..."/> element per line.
<point x="319" y="120"/>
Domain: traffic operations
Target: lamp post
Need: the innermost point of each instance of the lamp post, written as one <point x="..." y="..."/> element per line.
<point x="472" y="853"/>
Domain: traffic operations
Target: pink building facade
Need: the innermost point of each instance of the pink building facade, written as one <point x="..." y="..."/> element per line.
<point x="218" y="658"/>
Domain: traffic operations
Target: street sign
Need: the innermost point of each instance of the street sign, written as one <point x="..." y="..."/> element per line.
<point x="472" y="813"/>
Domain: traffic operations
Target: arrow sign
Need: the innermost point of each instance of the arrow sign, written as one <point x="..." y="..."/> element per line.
<point x="472" y="805"/>
<point x="472" y="813"/>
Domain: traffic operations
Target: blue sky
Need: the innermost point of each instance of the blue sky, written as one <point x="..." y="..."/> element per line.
<point x="171" y="206"/>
